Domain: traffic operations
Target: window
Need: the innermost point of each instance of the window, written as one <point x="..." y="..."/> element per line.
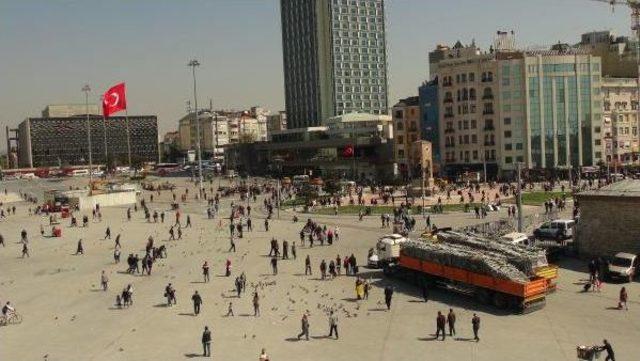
<point x="507" y="134"/>
<point x="508" y="146"/>
<point x="399" y="126"/>
<point x="400" y="153"/>
<point x="473" y="124"/>
<point x="507" y="121"/>
<point x="400" y="139"/>
<point x="596" y="142"/>
<point x="474" y="138"/>
<point x="518" y="146"/>
<point x="472" y="77"/>
<point x="508" y="160"/>
<point x="475" y="155"/>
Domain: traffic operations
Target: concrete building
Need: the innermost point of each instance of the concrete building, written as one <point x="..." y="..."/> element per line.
<point x="429" y="122"/>
<point x="276" y="123"/>
<point x="60" y="141"/>
<point x="334" y="55"/>
<point x="617" y="53"/>
<point x="69" y="110"/>
<point x="170" y="147"/>
<point x="214" y="133"/>
<point x="541" y="108"/>
<point x="322" y="150"/>
<point x="609" y="220"/>
<point x="407" y="132"/>
<point x="620" y="121"/>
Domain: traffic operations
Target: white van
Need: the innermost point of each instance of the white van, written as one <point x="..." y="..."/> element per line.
<point x="79" y="172"/>
<point x="566" y="226"/>
<point x="516" y="238"/>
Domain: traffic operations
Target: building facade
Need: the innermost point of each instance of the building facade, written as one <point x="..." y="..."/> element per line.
<point x="63" y="141"/>
<point x="276" y="123"/>
<point x="334" y="57"/>
<point x="407" y="132"/>
<point x="617" y="53"/>
<point x="539" y="108"/>
<point x="214" y="133"/>
<point x="620" y="121"/>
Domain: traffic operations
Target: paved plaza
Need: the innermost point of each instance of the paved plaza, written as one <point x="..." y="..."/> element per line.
<point x="67" y="316"/>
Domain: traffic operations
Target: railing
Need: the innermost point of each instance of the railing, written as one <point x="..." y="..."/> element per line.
<point x="487" y="111"/>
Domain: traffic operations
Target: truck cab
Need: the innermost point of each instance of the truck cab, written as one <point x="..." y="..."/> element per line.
<point x="387" y="250"/>
<point x="623" y="266"/>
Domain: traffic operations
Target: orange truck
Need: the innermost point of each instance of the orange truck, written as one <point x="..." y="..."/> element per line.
<point x="501" y="293"/>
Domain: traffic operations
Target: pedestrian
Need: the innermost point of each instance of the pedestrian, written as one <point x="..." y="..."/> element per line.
<point x="238" y="284"/>
<point x="104" y="281"/>
<point x="623" y="299"/>
<point x="227" y="268"/>
<point x="305" y="327"/>
<point x="451" y="320"/>
<point x="80" y="249"/>
<point x="307" y="266"/>
<point x="188" y="222"/>
<point x="206" y="342"/>
<point x="293" y="250"/>
<point x="179" y="233"/>
<point x="197" y="301"/>
<point x="232" y="246"/>
<point x="205" y="271"/>
<point x="116" y="255"/>
<point x="266" y="224"/>
<point x="388" y="294"/>
<point x="425" y="292"/>
<point x="249" y="225"/>
<point x="172" y="236"/>
<point x="333" y="324"/>
<point x="2" y="240"/>
<point x="475" y="323"/>
<point x="263" y="354"/>
<point x="117" y="242"/>
<point x="230" y="310"/>
<point x="285" y="249"/>
<point x="607" y="347"/>
<point x="274" y="265"/>
<point x="256" y="304"/>
<point x="440" y="322"/>
<point x="25" y="250"/>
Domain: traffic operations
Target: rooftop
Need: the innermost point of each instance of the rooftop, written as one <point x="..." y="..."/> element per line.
<point x="624" y="188"/>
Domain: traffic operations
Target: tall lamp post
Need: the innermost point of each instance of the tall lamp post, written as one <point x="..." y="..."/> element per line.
<point x="193" y="63"/>
<point x="86" y="89"/>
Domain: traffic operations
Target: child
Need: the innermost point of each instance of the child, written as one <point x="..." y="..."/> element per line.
<point x="230" y="311"/>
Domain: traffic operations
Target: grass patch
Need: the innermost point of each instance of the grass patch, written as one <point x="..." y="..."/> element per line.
<point x="382" y="209"/>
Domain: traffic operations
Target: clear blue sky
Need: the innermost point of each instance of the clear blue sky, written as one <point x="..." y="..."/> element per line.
<point x="50" y="48"/>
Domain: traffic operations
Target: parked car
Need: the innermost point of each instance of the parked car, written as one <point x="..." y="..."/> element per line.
<point x="623" y="266"/>
<point x="559" y="230"/>
<point x="515" y="238"/>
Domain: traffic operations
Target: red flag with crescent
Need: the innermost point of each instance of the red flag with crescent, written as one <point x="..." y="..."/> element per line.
<point x="114" y="100"/>
<point x="347" y="152"/>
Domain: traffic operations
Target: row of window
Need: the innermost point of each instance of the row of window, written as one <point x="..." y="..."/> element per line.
<point x="372" y="65"/>
<point x="471" y="77"/>
<point x="379" y="97"/>
<point x="339" y="50"/>
<point x="466" y="156"/>
<point x="359" y="42"/>
<point x="620" y="105"/>
<point x="358" y="73"/>
<point x="563" y="68"/>
<point x="363" y="81"/>
<point x="358" y="89"/>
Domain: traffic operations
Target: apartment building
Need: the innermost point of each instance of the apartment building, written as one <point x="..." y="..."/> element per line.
<point x="406" y="124"/>
<point x="620" y="120"/>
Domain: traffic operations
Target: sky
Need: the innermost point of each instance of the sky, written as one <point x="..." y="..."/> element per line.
<point x="50" y="48"/>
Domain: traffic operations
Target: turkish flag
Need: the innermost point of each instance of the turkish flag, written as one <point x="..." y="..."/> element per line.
<point x="114" y="100"/>
<point x="347" y="152"/>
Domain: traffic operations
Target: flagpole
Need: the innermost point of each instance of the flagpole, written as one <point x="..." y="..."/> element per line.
<point x="86" y="89"/>
<point x="104" y="129"/>
<point x="126" y="116"/>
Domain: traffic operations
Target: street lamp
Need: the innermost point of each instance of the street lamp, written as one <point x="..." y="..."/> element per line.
<point x="193" y="63"/>
<point x="86" y="89"/>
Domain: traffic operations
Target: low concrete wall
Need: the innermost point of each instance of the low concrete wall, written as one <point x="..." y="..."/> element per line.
<point x="107" y="199"/>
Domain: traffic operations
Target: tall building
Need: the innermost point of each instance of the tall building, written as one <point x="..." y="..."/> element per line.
<point x="618" y="54"/>
<point x="502" y="107"/>
<point x="406" y="126"/>
<point x="334" y="55"/>
<point x="62" y="140"/>
<point x="620" y="120"/>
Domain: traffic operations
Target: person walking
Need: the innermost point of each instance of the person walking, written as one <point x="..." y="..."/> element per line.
<point x="104" y="281"/>
<point x="475" y="323"/>
<point x="293" y="250"/>
<point x="440" y="323"/>
<point x="451" y="320"/>
<point x="274" y="265"/>
<point x="232" y="246"/>
<point x="2" y="240"/>
<point x="307" y="266"/>
<point x="623" y="299"/>
<point x="79" y="249"/>
<point x="305" y="327"/>
<point x="188" y="225"/>
<point x="197" y="302"/>
<point x="249" y="225"/>
<point x="333" y="324"/>
<point x="25" y="250"/>
<point x="107" y="233"/>
<point x="205" y="271"/>
<point x="388" y="293"/>
<point x="256" y="304"/>
<point x="230" y="310"/>
<point x="266" y="224"/>
<point x="206" y="342"/>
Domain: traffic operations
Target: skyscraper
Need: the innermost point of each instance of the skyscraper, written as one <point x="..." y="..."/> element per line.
<point x="334" y="55"/>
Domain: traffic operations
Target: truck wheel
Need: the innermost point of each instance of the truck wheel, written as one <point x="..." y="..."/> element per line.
<point x="499" y="300"/>
<point x="483" y="296"/>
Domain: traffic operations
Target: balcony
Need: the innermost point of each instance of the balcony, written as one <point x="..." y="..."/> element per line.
<point x="450" y="145"/>
<point x="487" y="96"/>
<point x="472" y="98"/>
<point x="489" y="128"/>
<point x="449" y="130"/>
<point x="487" y="79"/>
<point x="489" y="143"/>
<point x="448" y="115"/>
<point x="487" y="112"/>
<point x="448" y="100"/>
